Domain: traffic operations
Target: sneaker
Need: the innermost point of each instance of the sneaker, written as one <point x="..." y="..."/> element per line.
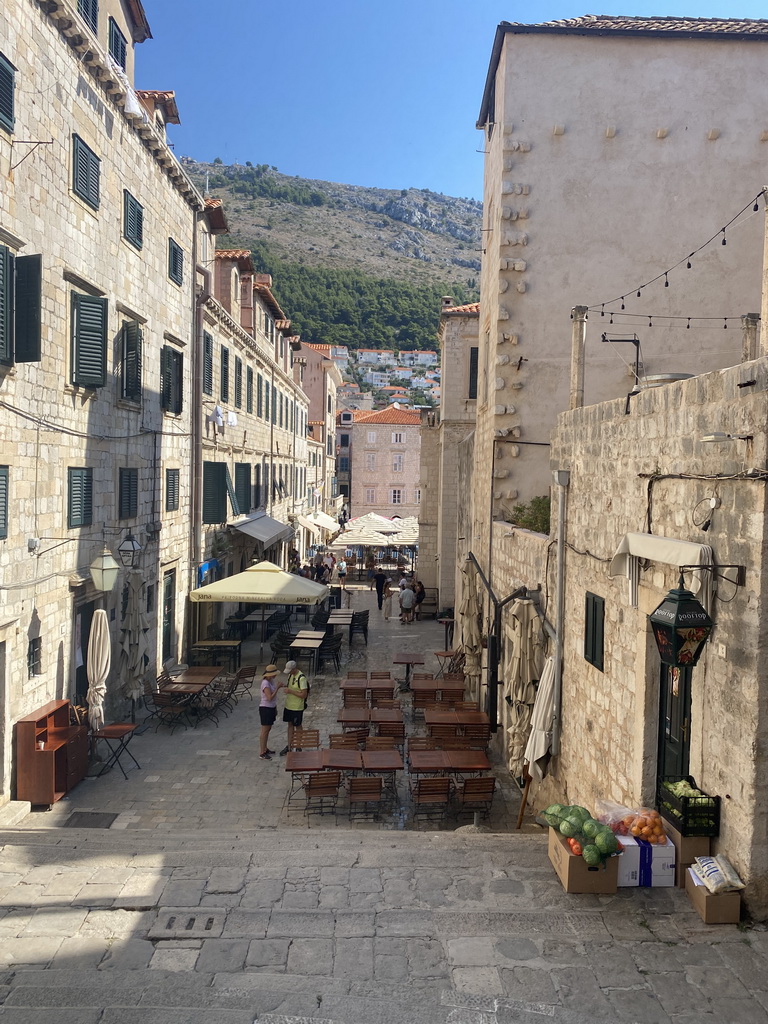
<point x="270" y="751"/>
<point x="284" y="751"/>
<point x="266" y="756"/>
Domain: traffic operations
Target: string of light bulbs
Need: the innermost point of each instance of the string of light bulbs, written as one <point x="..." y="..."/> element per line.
<point x="664" y="274"/>
<point x="671" y="321"/>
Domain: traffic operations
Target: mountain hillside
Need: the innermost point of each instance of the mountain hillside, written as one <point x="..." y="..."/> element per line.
<point x="354" y="266"/>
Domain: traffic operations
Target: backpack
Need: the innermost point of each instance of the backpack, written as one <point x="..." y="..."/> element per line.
<point x="306" y="687"/>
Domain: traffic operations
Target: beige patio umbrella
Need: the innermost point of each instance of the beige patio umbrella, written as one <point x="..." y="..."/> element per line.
<point x="133" y="643"/>
<point x="99" y="661"/>
<point x="470" y="641"/>
<point x="375" y="522"/>
<point x="525" y="670"/>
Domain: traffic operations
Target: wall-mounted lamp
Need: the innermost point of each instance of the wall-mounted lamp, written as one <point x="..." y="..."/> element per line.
<point x="681" y="627"/>
<point x="104" y="571"/>
<point x="129" y="551"/>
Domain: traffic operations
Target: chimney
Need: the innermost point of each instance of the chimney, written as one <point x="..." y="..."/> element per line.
<point x="447" y="300"/>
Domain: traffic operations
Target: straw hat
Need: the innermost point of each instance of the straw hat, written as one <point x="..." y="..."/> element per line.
<point x="271" y="670"/>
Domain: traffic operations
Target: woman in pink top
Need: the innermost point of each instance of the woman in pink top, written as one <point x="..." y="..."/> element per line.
<point x="268" y="709"/>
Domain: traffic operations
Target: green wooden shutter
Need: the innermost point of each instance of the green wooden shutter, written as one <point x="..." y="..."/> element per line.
<point x="85" y="172"/>
<point x="178" y="381"/>
<point x="594" y="615"/>
<point x="214" y="492"/>
<point x="231" y="492"/>
<point x="224" y="381"/>
<point x="89" y="340"/>
<point x="175" y="261"/>
<point x="171" y="490"/>
<point x="266" y="400"/>
<point x="28" y="304"/>
<point x="7" y="84"/>
<point x="132" y="338"/>
<point x="3" y="502"/>
<point x="80" y="505"/>
<point x="165" y="377"/>
<point x="243" y="485"/>
<point x="6" y="304"/>
<point x="128" y="494"/>
<point x="133" y="220"/>
<point x="238" y="383"/>
<point x="118" y="45"/>
<point x="472" y="391"/>
<point x="89" y="11"/>
<point x="259" y="395"/>
<point x="249" y="390"/>
<point x="171" y="379"/>
<point x="207" y="363"/>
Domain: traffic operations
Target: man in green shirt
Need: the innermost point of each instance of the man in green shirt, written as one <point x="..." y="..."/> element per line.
<point x="296" y="693"/>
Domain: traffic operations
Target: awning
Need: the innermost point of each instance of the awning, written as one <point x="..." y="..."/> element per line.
<point x="264" y="529"/>
<point x="309" y="525"/>
<point x="635" y="546"/>
<point x="323" y="520"/>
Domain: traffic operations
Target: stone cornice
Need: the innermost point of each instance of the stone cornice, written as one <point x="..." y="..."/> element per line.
<point x="112" y="80"/>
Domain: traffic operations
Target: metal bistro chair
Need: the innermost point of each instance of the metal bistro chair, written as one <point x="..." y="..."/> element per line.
<point x="329" y="649"/>
<point x="365" y="796"/>
<point x="380" y="742"/>
<point x="306" y="739"/>
<point x="343" y="741"/>
<point x="321" y="790"/>
<point x="359" y="624"/>
<point x="431" y="797"/>
<point x="477" y="794"/>
<point x="394" y="729"/>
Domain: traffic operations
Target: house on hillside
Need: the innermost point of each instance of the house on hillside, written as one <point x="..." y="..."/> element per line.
<point x="384" y="452"/>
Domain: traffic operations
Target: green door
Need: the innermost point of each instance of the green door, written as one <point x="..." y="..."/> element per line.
<point x="674" y="721"/>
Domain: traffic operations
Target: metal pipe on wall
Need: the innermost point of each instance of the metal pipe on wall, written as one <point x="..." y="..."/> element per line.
<point x="562" y="478"/>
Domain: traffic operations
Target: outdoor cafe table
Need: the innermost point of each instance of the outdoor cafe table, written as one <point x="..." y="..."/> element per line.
<point x="408" y="658"/>
<point x="310" y="634"/>
<point x="447" y="717"/>
<point x="359" y="716"/>
<point x="342" y="615"/>
<point x="383" y="762"/>
<point x="327" y="758"/>
<point x="229" y="647"/>
<point x="312" y="646"/>
<point x="354" y="685"/>
<point x="441" y="762"/>
<point x="198" y="674"/>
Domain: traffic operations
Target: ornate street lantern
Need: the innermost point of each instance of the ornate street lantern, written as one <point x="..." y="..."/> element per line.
<point x="104" y="571"/>
<point x="681" y="627"/>
<point x="129" y="551"/>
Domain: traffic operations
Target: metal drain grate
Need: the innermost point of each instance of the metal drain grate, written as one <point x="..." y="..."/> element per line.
<point x="89" y="819"/>
<point x="188" y="923"/>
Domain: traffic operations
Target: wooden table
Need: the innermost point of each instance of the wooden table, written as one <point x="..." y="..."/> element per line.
<point x="200" y="674"/>
<point x="340" y="616"/>
<point x="439" y="762"/>
<point x="457" y="718"/>
<point x="311" y="646"/>
<point x="318" y="760"/>
<point x="229" y="647"/>
<point x="425" y="686"/>
<point x="408" y="658"/>
<point x="310" y="634"/>
<point x="185" y="689"/>
<point x="360" y="716"/>
<point x="384" y="762"/>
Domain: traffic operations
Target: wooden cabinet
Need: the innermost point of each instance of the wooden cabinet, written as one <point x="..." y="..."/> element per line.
<point x="51" y="754"/>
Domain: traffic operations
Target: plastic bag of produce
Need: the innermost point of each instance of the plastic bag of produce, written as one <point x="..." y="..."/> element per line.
<point x="641" y="823"/>
<point x="586" y="836"/>
<point x="717" y="873"/>
<point x="613" y="815"/>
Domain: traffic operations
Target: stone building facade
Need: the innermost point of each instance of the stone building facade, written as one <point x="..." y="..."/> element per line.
<point x="385" y="460"/>
<point x="593" y="186"/>
<point x="441" y="433"/>
<point x="320" y="379"/>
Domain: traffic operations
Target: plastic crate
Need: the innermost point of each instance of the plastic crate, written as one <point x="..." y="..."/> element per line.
<point x="691" y="815"/>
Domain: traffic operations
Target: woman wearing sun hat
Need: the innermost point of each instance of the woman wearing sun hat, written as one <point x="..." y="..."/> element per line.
<point x="268" y="708"/>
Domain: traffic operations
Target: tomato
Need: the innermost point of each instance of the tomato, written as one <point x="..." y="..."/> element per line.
<point x="576" y="848"/>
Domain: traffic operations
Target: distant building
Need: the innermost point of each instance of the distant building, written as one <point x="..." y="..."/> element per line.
<point x="385" y="454"/>
<point x="375" y="357"/>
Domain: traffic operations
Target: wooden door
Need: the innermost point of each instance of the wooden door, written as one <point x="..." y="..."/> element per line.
<point x="83" y="619"/>
<point x="674" y="721"/>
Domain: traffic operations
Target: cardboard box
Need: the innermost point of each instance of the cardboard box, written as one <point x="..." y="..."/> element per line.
<point x="681" y="870"/>
<point x="575" y="873"/>
<point x="646" y="864"/>
<point x="688" y="848"/>
<point x="713" y="908"/>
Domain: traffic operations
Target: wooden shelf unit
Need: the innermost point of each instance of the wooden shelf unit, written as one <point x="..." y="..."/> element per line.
<point x="45" y="776"/>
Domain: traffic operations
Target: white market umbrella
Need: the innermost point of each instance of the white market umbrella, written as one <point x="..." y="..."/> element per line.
<point x="537" y="750"/>
<point x="525" y="671"/>
<point x="99" y="661"/>
<point x="133" y="644"/>
<point x="470" y="642"/>
<point x="263" y="583"/>
<point x="360" y="538"/>
<point x="375" y="522"/>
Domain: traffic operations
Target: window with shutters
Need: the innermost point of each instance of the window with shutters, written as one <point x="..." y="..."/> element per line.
<point x="249" y="390"/>
<point x="3" y="502"/>
<point x="214" y="492"/>
<point x="594" y="617"/>
<point x="266" y="400"/>
<point x="89" y="12"/>
<point x="169" y="614"/>
<point x="371" y="437"/>
<point x="207" y="363"/>
<point x="86" y="172"/>
<point x="238" y="383"/>
<point x="243" y="485"/>
<point x="397" y="463"/>
<point x="175" y="262"/>
<point x="396" y="496"/>
<point x="128" y="494"/>
<point x="417" y="496"/>
<point x="171" y="379"/>
<point x="344" y="464"/>
<point x="472" y="390"/>
<point x="133" y="220"/>
<point x="224" y="378"/>
<point x="370" y="462"/>
<point x="257" y="486"/>
<point x="35" y="656"/>
<point x="80" y="498"/>
<point x="118" y="44"/>
<point x="7" y="94"/>
<point x="131" y="360"/>
<point x="89" y="340"/>
<point x="259" y="395"/>
<point x="172" y="490"/>
<point x="20" y="307"/>
<point x="344" y="440"/>
<point x="370" y="495"/>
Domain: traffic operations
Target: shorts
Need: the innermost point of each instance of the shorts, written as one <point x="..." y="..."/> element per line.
<point x="342" y="575"/>
<point x="267" y="715"/>
<point x="293" y="717"/>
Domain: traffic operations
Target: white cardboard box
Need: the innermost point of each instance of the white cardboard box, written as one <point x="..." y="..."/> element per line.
<point x="646" y="864"/>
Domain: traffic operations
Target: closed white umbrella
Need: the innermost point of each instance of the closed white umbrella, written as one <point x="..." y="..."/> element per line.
<point x="133" y="644"/>
<point x="99" y="660"/>
<point x="524" y="671"/>
<point x="470" y="641"/>
<point x="537" y="750"/>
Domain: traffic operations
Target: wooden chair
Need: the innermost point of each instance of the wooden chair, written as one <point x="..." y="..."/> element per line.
<point x="165" y="709"/>
<point x="385" y="702"/>
<point x="421" y="743"/>
<point x="306" y="739"/>
<point x="380" y="675"/>
<point x="380" y="743"/>
<point x="451" y="694"/>
<point x="357" y="675"/>
<point x="394" y="729"/>
<point x="321" y="791"/>
<point x="478" y="735"/>
<point x="430" y="797"/>
<point x="442" y="732"/>
<point x="343" y="741"/>
<point x="358" y="732"/>
<point x="354" y="699"/>
<point x="454" y="743"/>
<point x="365" y="795"/>
<point x="423" y="699"/>
<point x="477" y="794"/>
<point x="466" y="705"/>
<point x="381" y="692"/>
<point x="422" y="675"/>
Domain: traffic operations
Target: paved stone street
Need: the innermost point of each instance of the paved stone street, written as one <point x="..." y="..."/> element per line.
<point x="211" y="899"/>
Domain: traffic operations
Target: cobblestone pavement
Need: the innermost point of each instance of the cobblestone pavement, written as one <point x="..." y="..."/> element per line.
<point x="210" y="900"/>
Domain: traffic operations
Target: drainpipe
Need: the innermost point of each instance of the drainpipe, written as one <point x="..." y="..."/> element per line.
<point x="562" y="478"/>
<point x="272" y="443"/>
<point x="578" y="341"/>
<point x="197" y="415"/>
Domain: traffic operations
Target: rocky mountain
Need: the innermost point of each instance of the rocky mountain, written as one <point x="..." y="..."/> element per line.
<point x="412" y="234"/>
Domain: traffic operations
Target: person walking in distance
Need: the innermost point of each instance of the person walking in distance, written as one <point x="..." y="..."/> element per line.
<point x="379" y="579"/>
<point x="388" y="592"/>
<point x="407" y="601"/>
<point x="420" y="592"/>
<point x="341" y="567"/>
<point x="296" y="693"/>
<point x="268" y="708"/>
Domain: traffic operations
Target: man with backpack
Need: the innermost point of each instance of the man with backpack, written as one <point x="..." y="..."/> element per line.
<point x="296" y="695"/>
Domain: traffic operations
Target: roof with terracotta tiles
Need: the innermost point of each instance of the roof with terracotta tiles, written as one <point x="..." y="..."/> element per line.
<point x="164" y="98"/>
<point x="317" y="348"/>
<point x="214" y="213"/>
<point x="722" y="29"/>
<point x="140" y="29"/>
<point x="390" y="415"/>
<point x="240" y="256"/>
<point x="471" y="308"/>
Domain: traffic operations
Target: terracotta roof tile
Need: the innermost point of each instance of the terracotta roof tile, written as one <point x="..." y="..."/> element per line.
<point x="214" y="212"/>
<point x="470" y="307"/>
<point x="392" y="416"/>
<point x="165" y="98"/>
<point x="613" y="23"/>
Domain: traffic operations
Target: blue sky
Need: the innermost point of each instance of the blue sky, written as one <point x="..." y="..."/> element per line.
<point x="365" y="92"/>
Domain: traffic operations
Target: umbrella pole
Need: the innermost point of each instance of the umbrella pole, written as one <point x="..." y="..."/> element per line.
<point x="524" y="800"/>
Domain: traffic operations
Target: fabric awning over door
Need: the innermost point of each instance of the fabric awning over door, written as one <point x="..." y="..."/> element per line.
<point x="668" y="550"/>
<point x="264" y="529"/>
